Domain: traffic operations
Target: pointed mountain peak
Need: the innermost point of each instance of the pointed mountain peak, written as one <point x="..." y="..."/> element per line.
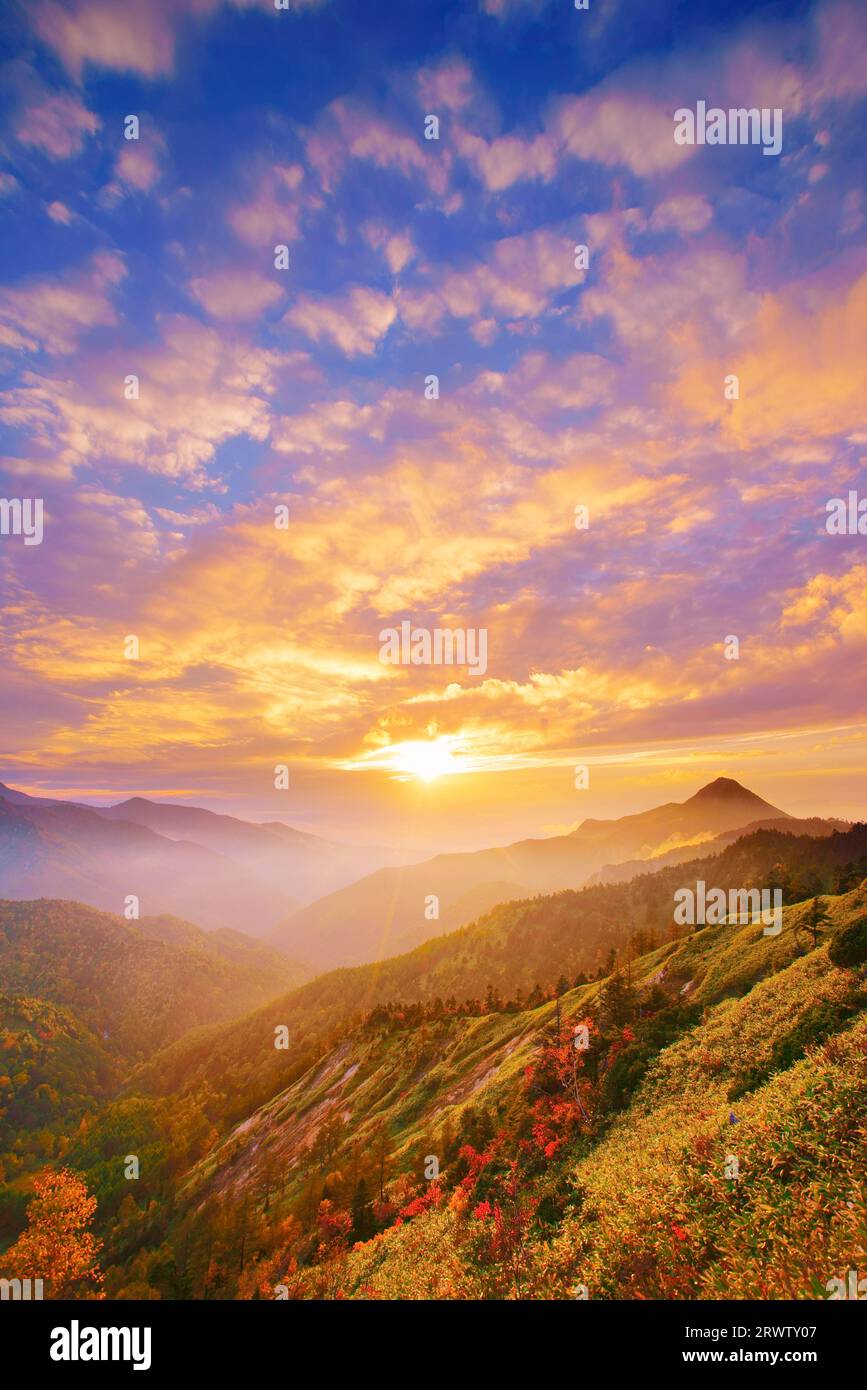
<point x="726" y="789"/>
<point x="722" y="786"/>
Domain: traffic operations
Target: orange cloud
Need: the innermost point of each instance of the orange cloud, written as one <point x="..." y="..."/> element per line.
<point x="801" y="365"/>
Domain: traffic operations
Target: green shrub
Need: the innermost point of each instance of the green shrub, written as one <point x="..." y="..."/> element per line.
<point x="815" y="1025"/>
<point x="849" y="946"/>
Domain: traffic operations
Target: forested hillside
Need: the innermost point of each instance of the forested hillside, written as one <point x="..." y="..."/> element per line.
<point x="517" y="953"/>
<point x="84" y="995"/>
<point x="704" y="1138"/>
<point x="138" y="984"/>
<point x="708" y="1142"/>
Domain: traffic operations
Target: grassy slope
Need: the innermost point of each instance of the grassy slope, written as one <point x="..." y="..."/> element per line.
<point x="657" y="1216"/>
<point x="236" y="1112"/>
<point x="513" y="947"/>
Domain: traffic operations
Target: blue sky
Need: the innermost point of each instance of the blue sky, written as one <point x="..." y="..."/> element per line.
<point x="558" y="386"/>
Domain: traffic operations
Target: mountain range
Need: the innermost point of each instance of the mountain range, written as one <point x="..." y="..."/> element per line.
<point x="514" y="950"/>
<point x="324" y="904"/>
<point x="284" y="1129"/>
<point x="385" y="913"/>
<point x="215" y="870"/>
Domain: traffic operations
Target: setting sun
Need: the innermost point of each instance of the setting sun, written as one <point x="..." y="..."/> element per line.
<point x="433" y="811"/>
<point x="427" y="761"/>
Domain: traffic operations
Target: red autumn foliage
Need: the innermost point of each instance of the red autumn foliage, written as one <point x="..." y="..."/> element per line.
<point x="428" y="1199"/>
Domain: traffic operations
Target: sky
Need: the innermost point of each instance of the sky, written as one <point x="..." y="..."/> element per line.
<point x="306" y="386"/>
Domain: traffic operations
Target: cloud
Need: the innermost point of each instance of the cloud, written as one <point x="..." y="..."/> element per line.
<point x="59" y="212"/>
<point x="660" y="304"/>
<point x="577" y="382"/>
<point x="617" y="124"/>
<point x="518" y="280"/>
<point x="397" y="248"/>
<point x="138" y="164"/>
<point x="137" y="169"/>
<point x="235" y="295"/>
<point x="445" y="86"/>
<point x="617" y="128"/>
<point x="504" y="161"/>
<point x="355" y="321"/>
<point x="346" y="131"/>
<point x="626" y="119"/>
<point x="800" y="363"/>
<point x="464" y="514"/>
<point x="54" y="313"/>
<point x="273" y="215"/>
<point x="135" y="38"/>
<point x="34" y="467"/>
<point x="839" y="69"/>
<point x="832" y="609"/>
<point x="686" y="213"/>
<point x="329" y="427"/>
<point x="198" y="388"/>
<point x="57" y="125"/>
<point x="139" y="38"/>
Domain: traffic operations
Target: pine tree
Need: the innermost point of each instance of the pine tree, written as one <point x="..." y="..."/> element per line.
<point x="817" y="919"/>
<point x="617" y="1001"/>
<point x="363" y="1224"/>
<point x="381" y="1148"/>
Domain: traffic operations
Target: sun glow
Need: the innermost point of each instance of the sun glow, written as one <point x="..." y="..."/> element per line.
<point x="427" y="761"/>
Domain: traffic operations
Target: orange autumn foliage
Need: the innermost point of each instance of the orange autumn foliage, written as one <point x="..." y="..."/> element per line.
<point x="57" y="1247"/>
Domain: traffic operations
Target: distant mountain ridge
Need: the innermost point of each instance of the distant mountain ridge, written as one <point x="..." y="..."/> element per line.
<point x="815" y="826"/>
<point x="215" y="870"/>
<point x="320" y="902"/>
<point x="385" y="911"/>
